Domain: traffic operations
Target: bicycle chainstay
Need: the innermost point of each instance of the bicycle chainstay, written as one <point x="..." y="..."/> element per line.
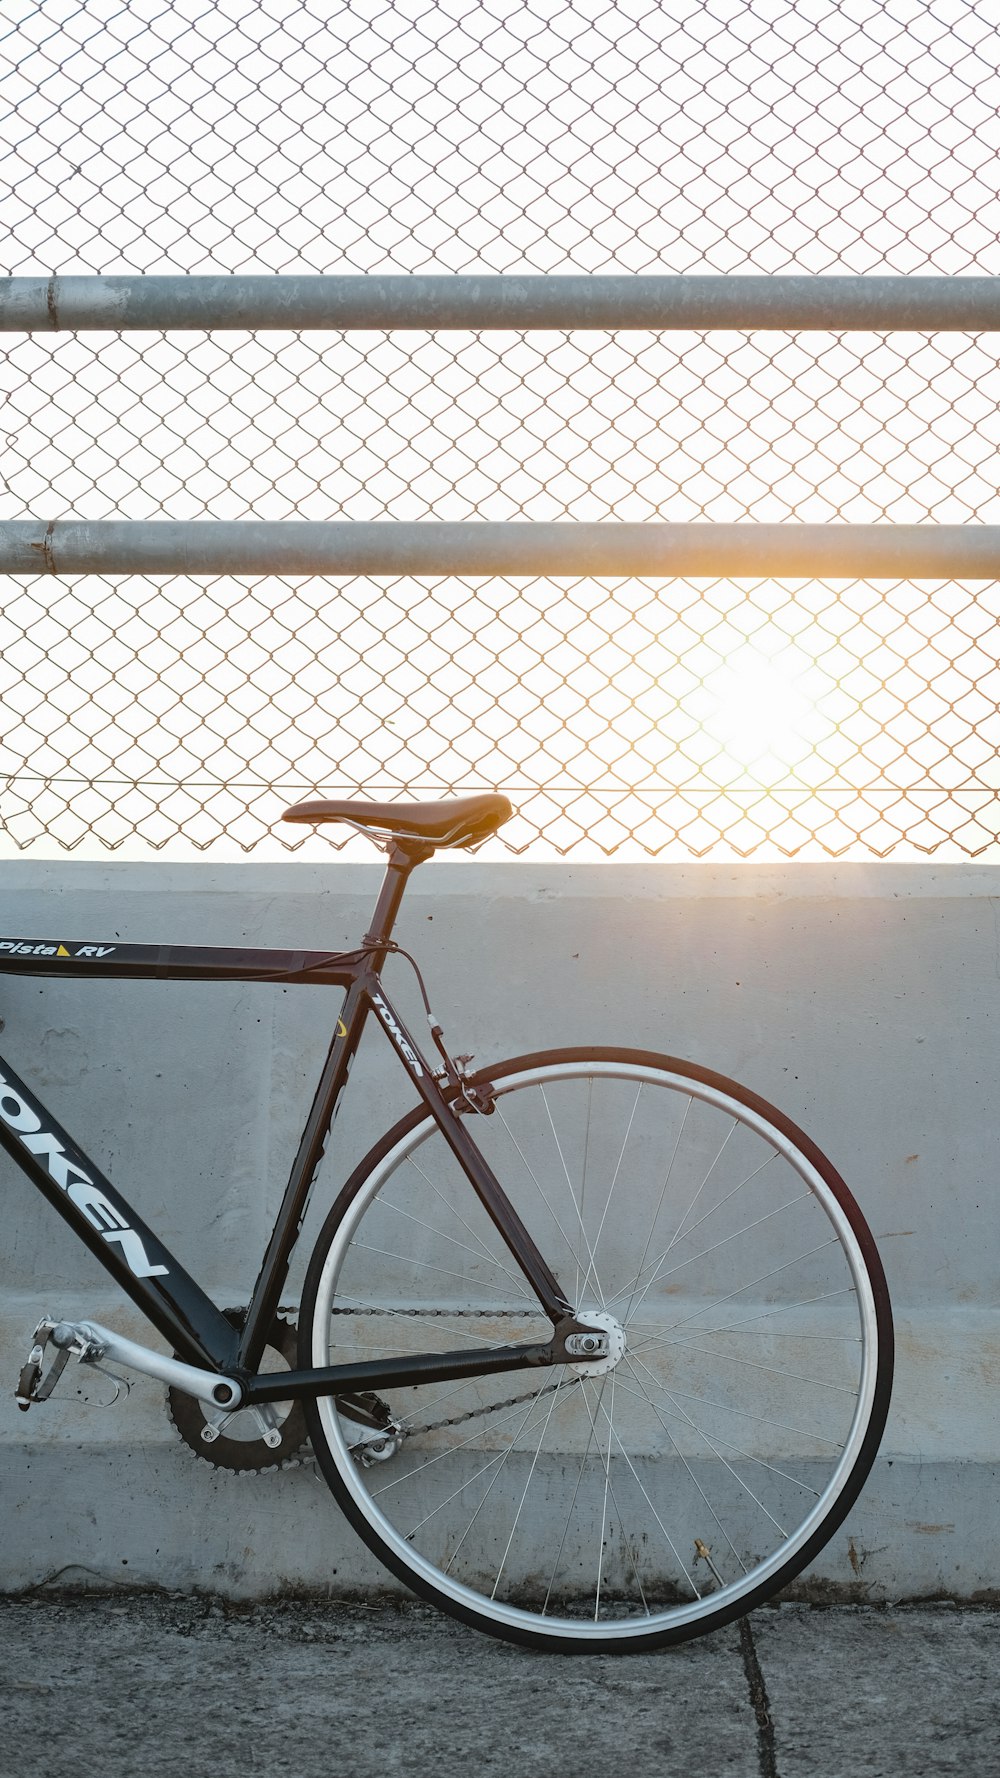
<point x="480" y="1413"/>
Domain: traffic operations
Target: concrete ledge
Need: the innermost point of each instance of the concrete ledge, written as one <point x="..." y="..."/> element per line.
<point x="96" y="1516"/>
<point x="98" y="1493"/>
<point x="861" y="999"/>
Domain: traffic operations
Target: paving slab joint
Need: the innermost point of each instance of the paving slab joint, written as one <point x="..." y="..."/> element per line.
<point x="759" y="1702"/>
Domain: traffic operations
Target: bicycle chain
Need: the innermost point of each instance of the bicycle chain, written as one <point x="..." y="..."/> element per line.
<point x="512" y="1401"/>
<point x="480" y="1413"/>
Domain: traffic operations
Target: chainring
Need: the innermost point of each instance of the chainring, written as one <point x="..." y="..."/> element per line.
<point x="246" y="1453"/>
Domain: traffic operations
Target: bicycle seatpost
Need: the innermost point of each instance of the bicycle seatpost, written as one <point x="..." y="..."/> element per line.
<point x="403" y="858"/>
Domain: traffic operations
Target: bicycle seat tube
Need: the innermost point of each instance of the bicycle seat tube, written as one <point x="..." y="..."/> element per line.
<point x="363" y="994"/>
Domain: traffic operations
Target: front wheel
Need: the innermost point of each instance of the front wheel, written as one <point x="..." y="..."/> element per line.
<point x="662" y="1491"/>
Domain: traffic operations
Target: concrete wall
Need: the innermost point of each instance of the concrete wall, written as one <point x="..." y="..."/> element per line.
<point x="860" y="999"/>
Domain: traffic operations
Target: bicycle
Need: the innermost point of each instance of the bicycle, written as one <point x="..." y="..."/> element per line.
<point x="594" y="1348"/>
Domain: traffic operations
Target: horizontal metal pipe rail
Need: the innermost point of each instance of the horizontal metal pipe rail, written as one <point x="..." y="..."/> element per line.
<point x="402" y="547"/>
<point x="654" y="304"/>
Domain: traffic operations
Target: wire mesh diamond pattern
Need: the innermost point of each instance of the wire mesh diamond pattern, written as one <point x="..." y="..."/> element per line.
<point x="612" y="711"/>
<point x="707" y="719"/>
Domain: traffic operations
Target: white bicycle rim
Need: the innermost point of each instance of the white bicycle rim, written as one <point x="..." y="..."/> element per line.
<point x="745" y="1184"/>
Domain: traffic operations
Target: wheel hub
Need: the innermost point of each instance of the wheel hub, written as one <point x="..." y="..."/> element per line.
<point x="612" y="1339"/>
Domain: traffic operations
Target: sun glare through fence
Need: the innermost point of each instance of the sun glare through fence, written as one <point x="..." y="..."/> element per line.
<point x="684" y="719"/>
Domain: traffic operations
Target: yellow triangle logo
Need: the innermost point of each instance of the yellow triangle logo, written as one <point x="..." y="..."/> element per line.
<point x="62" y="951"/>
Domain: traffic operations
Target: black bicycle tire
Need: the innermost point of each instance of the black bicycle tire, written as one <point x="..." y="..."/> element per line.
<point x="662" y="1636"/>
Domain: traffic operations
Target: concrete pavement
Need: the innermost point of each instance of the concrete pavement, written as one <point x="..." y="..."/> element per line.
<point x="126" y="1686"/>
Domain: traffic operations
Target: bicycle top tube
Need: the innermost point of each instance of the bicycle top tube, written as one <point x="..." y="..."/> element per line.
<point x="411" y="832"/>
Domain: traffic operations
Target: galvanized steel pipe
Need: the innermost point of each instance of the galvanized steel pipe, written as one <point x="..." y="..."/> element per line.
<point x="510" y="302"/>
<point x="653" y="551"/>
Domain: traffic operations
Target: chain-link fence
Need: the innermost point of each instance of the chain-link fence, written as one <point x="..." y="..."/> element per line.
<point x="678" y="719"/>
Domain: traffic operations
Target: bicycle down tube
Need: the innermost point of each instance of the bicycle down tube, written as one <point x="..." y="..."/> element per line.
<point x="150" y="1275"/>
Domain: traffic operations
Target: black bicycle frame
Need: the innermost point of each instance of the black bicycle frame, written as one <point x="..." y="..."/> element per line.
<point x="148" y="1273"/>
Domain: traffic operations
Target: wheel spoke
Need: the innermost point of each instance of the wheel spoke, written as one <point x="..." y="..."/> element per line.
<point x="591" y="1270"/>
<point x="660" y="1277"/>
<point x="700" y="1430"/>
<point x="772" y="1370"/>
<point x="578" y="1285"/>
<point x="656" y="1213"/>
<point x="572" y="1509"/>
<point x="572" y="1505"/>
<point x="604" y="1510"/>
<point x="453" y="1241"/>
<point x="727" y="1407"/>
<point x="683" y="1460"/>
<point x="722" y="1202"/>
<point x="439" y="1457"/>
<point x="524" y="1494"/>
<point x="614" y="1180"/>
<point x="571" y="1249"/>
<point x="499" y="1460"/>
<point x="481" y="1246"/>
<point x="753" y="1283"/>
<point x="668" y="1540"/>
<point x="741" y="1451"/>
<point x="407" y="1259"/>
<point x="730" y="1133"/>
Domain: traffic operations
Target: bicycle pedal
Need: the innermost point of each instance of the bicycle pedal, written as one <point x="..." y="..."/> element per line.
<point x="32" y="1384"/>
<point x="120" y="1383"/>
